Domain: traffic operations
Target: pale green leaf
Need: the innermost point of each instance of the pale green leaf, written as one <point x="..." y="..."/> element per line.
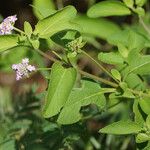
<point x="116" y="74"/>
<point x="122" y="127"/>
<point x="27" y="28"/>
<point x="61" y="83"/>
<point x="89" y="93"/>
<point x="108" y="8"/>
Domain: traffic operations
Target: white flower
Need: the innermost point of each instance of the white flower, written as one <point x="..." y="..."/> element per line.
<point x="6" y="26"/>
<point x="23" y="69"/>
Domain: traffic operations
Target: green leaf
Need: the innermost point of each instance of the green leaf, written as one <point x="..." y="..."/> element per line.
<point x="9" y="145"/>
<point x="123" y="50"/>
<point x="140" y="11"/>
<point x="138" y="118"/>
<point x="129" y="39"/>
<point x="101" y="27"/>
<point x="116" y="74"/>
<point x="61" y="83"/>
<point x="56" y="22"/>
<point x="43" y="8"/>
<point x="148" y="121"/>
<point x="8" y="41"/>
<point x="139" y="64"/>
<point x="111" y="58"/>
<point x="135" y="82"/>
<point x="140" y="2"/>
<point x="108" y="8"/>
<point x="122" y="127"/>
<point x="142" y="137"/>
<point x="145" y="105"/>
<point x="63" y="38"/>
<point x="35" y="43"/>
<point x="129" y="3"/>
<point x="128" y="94"/>
<point x="27" y="29"/>
<point x="13" y="56"/>
<point x="89" y="93"/>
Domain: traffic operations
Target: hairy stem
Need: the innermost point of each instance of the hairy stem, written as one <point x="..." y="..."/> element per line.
<point x="98" y="78"/>
<point x="18" y="30"/>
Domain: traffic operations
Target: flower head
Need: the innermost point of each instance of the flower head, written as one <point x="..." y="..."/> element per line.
<point x="6" y="26"/>
<point x="23" y="69"/>
<point x="10" y="19"/>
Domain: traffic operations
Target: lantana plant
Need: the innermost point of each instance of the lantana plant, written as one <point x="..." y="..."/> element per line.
<point x="70" y="88"/>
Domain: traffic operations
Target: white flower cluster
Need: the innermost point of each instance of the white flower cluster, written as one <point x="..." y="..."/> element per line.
<point x="7" y="25"/>
<point x="23" y="69"/>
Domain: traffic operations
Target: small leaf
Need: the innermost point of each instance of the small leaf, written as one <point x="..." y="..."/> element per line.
<point x="123" y="50"/>
<point x="8" y="41"/>
<point x="140" y="2"/>
<point x="142" y="137"/>
<point x="122" y="127"/>
<point x="148" y="121"/>
<point x="111" y="58"/>
<point x="27" y="29"/>
<point x="129" y="3"/>
<point x="145" y="105"/>
<point x="128" y="94"/>
<point x="116" y="74"/>
<point x="61" y="83"/>
<point x="108" y="8"/>
<point x="35" y="43"/>
<point x="138" y="118"/>
<point x="140" y="11"/>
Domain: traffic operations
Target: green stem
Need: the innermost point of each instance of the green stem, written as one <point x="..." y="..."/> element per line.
<point x="46" y="56"/>
<point x="98" y="78"/>
<point x="57" y="55"/>
<point x="147" y="29"/>
<point x="18" y="30"/>
<point x="100" y="66"/>
<point x="139" y="93"/>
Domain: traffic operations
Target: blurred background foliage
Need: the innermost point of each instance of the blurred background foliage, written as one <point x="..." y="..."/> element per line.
<point x="21" y="124"/>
